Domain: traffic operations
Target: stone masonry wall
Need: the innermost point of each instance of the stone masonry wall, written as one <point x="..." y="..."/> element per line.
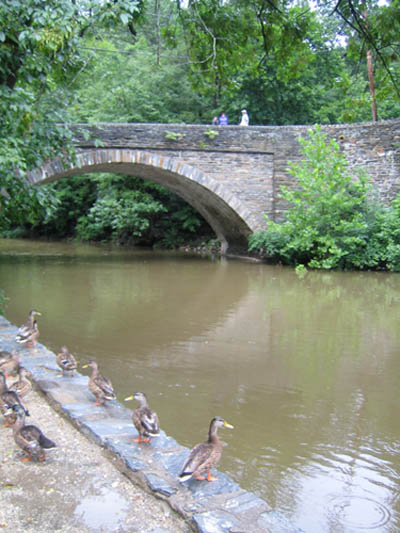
<point x="252" y="162"/>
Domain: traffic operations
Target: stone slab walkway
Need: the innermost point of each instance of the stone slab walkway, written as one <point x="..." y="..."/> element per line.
<point x="217" y="507"/>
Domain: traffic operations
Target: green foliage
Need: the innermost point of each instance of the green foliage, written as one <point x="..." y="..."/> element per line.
<point x="269" y="243"/>
<point x="73" y="197"/>
<point x="301" y="271"/>
<point x="119" y="219"/>
<point x="332" y="221"/>
<point x="139" y="89"/>
<point x="220" y="34"/>
<point x="180" y="225"/>
<point x="211" y="134"/>
<point x="174" y="136"/>
<point x="296" y="68"/>
<point x="39" y="61"/>
<point x="119" y="208"/>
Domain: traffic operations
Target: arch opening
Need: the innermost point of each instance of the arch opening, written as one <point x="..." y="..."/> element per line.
<point x="223" y="212"/>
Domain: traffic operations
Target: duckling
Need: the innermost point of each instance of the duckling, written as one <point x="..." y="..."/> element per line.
<point x="206" y="455"/>
<point x="30" y="438"/>
<point x="99" y="385"/>
<point x="144" y="419"/>
<point x="9" y="365"/>
<point x="66" y="361"/>
<point x="22" y="386"/>
<point x="29" y="332"/>
<point x="8" y="399"/>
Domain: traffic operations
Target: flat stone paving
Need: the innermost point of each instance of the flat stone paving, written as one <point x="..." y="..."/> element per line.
<point x="217" y="507"/>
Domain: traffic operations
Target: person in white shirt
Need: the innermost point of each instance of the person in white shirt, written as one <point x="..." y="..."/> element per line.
<point x="245" y="118"/>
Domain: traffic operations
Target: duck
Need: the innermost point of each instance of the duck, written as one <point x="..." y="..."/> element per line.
<point x="30" y="438"/>
<point x="99" y="385"/>
<point x="23" y="385"/>
<point x="29" y="332"/>
<point x="205" y="456"/>
<point x="9" y="365"/>
<point x="66" y="361"/>
<point x="3" y="388"/>
<point x="144" y="419"/>
<point x="8" y="399"/>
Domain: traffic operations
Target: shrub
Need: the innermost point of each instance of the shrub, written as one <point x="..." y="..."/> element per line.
<point x="333" y="220"/>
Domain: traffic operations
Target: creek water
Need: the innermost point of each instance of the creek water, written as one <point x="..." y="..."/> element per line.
<point x="307" y="370"/>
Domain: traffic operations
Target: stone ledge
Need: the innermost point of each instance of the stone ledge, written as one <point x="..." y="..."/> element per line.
<point x="218" y="507"/>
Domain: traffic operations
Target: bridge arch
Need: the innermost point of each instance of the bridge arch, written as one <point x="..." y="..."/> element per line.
<point x="224" y="212"/>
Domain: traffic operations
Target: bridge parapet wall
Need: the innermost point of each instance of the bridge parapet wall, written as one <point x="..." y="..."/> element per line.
<point x="252" y="161"/>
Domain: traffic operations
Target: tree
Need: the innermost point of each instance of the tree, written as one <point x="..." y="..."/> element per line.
<point x="40" y="58"/>
<point x="226" y="39"/>
<point x="123" y="82"/>
<point x="232" y="45"/>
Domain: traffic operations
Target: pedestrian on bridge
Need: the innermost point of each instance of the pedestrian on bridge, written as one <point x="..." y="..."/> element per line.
<point x="245" y="118"/>
<point x="223" y="119"/>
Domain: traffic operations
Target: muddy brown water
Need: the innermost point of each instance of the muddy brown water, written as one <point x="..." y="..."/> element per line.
<point x="307" y="370"/>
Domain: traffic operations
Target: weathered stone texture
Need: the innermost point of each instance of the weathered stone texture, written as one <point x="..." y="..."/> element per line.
<point x="234" y="178"/>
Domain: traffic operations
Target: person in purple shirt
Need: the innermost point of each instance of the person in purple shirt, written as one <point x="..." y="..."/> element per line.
<point x="223" y="120"/>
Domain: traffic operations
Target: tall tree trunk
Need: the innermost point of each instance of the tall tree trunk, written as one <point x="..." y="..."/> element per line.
<point x="371" y="86"/>
<point x="158" y="29"/>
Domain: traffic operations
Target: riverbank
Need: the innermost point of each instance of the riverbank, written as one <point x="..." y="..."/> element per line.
<point x="77" y="489"/>
<point x="216" y="507"/>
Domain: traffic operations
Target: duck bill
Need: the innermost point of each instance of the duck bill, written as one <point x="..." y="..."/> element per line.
<point x="229" y="426"/>
<point x="128" y="398"/>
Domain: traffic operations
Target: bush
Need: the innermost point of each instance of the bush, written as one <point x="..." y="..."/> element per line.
<point x="333" y="221"/>
<point x="120" y="219"/>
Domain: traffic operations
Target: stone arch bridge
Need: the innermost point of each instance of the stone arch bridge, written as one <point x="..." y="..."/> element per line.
<point x="231" y="175"/>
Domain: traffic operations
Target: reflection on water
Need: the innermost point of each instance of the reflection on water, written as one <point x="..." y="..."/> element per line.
<point x="104" y="511"/>
<point x="308" y="371"/>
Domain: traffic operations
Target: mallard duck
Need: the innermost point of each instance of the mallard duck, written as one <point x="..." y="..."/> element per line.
<point x="99" y="385"/>
<point x="23" y="386"/>
<point x="29" y="332"/>
<point x="30" y="438"/>
<point x="8" y="399"/>
<point x="9" y="365"/>
<point x="144" y="419"/>
<point x="66" y="361"/>
<point x="206" y="455"/>
<point x="3" y="388"/>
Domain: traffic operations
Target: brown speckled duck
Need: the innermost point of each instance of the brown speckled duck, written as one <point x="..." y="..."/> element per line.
<point x="66" y="361"/>
<point x="23" y="385"/>
<point x="8" y="399"/>
<point x="206" y="455"/>
<point x="30" y="438"/>
<point x="9" y="365"/>
<point x="29" y="332"/>
<point x="99" y="385"/>
<point x="144" y="419"/>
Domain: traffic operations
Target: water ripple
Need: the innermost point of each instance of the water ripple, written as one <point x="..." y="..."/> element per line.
<point x="358" y="512"/>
